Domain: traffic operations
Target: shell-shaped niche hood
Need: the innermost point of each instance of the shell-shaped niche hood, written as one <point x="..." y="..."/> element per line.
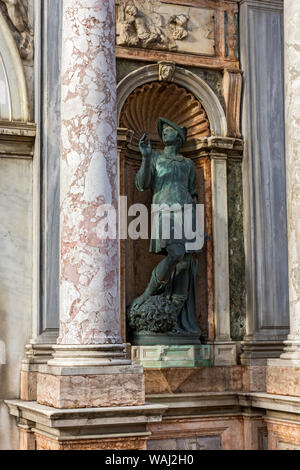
<point x="148" y="102"/>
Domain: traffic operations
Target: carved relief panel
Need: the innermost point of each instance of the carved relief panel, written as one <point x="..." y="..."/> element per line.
<point x="167" y="27"/>
<point x="197" y="33"/>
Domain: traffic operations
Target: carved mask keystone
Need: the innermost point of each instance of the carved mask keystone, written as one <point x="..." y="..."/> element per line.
<point x="166" y="71"/>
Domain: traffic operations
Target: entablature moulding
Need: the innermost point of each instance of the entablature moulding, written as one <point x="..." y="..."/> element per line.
<point x="213" y="147"/>
<point x="17" y="139"/>
<point x="201" y="33"/>
<point x="263" y="4"/>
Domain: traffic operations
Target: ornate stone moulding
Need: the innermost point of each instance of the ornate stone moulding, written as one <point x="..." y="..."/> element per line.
<point x="16" y="139"/>
<point x="148" y="102"/>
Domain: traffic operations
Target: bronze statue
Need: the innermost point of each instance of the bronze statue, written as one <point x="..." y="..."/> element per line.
<point x="168" y="303"/>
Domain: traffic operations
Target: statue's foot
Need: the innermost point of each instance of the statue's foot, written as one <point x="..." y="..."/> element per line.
<point x="140" y="301"/>
<point x="177" y="330"/>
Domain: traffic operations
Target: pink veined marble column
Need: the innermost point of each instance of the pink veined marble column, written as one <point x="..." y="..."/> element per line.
<point x="89" y="300"/>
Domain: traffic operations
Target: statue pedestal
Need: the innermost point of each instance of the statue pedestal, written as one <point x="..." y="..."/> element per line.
<point x="165" y="339"/>
<point x="163" y="357"/>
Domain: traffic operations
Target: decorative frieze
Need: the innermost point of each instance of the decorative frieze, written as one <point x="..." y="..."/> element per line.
<point x="203" y="34"/>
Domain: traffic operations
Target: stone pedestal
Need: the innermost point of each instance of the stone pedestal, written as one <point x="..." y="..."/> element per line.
<point x="106" y="428"/>
<point x="164" y="357"/>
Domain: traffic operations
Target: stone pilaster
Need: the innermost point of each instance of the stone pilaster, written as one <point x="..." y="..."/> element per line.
<point x="261" y="35"/>
<point x="292" y="119"/>
<point x="283" y="377"/>
<point x="89" y="368"/>
<point x="224" y="349"/>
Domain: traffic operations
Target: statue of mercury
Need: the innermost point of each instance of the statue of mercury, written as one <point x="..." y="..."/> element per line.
<point x="171" y="178"/>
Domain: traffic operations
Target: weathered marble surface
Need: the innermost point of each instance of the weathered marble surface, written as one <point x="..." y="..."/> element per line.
<point x="89" y="312"/>
<point x="283" y="435"/>
<point x="205" y="379"/>
<point x="283" y="380"/>
<point x="188" y="443"/>
<point x="121" y="444"/>
<point x="292" y="104"/>
<point x="264" y="177"/>
<point x="91" y="391"/>
<point x="229" y="431"/>
<point x="15" y="281"/>
<point x="236" y="251"/>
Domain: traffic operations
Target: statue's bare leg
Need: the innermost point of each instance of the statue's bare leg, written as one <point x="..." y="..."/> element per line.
<point x="162" y="273"/>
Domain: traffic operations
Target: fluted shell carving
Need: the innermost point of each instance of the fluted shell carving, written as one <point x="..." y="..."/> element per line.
<point x="159" y="99"/>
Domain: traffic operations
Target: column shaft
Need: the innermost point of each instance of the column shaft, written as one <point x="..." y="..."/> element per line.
<point x="89" y="300"/>
<point x="224" y="348"/>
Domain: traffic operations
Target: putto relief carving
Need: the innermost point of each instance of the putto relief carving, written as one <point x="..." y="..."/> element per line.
<point x="163" y="26"/>
<point x="145" y="27"/>
<point x="16" y="14"/>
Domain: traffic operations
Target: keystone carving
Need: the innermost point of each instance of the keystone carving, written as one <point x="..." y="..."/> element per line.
<point x="166" y="71"/>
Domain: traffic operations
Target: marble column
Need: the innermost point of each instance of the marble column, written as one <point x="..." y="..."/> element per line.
<point x="292" y="120"/>
<point x="90" y="367"/>
<point x="89" y="302"/>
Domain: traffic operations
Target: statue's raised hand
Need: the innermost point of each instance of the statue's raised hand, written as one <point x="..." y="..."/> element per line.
<point x="145" y="148"/>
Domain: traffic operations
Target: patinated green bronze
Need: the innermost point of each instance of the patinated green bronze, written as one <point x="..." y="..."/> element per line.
<point x="166" y="311"/>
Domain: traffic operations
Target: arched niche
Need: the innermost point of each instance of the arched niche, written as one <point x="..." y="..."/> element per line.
<point x="184" y="78"/>
<point x="14" y="105"/>
<point x="189" y="102"/>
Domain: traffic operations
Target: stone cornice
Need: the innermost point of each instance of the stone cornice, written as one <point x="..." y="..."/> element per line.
<point x="17" y="139"/>
<point x="93" y="423"/>
<point x="263" y="4"/>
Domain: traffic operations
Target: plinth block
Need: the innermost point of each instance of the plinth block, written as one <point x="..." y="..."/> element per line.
<point x="283" y="379"/>
<point x="122" y="386"/>
<point x="162" y="357"/>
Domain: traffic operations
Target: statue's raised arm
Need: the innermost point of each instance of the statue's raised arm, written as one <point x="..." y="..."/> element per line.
<point x="143" y="177"/>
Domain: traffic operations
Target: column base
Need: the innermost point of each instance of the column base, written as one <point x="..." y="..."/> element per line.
<point x="90" y="376"/>
<point x="291" y="351"/>
<point x="89" y="356"/>
<point x="258" y="352"/>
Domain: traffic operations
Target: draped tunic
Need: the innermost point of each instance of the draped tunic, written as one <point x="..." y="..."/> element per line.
<point x="173" y="183"/>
